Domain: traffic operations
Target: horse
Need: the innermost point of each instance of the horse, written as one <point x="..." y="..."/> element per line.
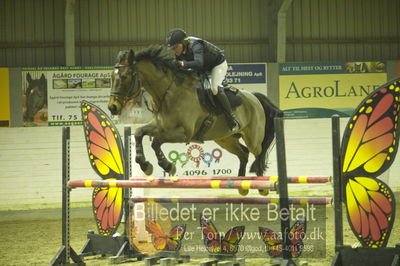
<point x="36" y="96"/>
<point x="178" y="116"/>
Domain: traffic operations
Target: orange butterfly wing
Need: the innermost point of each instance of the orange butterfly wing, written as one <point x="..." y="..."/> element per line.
<point x="174" y="240"/>
<point x="104" y="146"/>
<point x="230" y="242"/>
<point x="161" y="241"/>
<point x="297" y="234"/>
<point x="273" y="241"/>
<point x="212" y="239"/>
<point x="107" y="206"/>
<point x="158" y="237"/>
<point x="370" y="143"/>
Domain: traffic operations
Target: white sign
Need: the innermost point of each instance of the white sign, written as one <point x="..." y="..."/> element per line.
<point x="207" y="159"/>
<point x="66" y="90"/>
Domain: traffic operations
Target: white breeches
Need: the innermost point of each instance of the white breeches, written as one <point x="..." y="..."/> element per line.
<point x="218" y="74"/>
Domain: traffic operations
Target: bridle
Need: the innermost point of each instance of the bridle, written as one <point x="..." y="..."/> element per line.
<point x="123" y="96"/>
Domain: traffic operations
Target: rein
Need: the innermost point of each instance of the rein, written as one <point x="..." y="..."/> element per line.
<point x="162" y="98"/>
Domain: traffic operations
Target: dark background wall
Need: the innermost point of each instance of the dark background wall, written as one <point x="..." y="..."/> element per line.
<point x="32" y="31"/>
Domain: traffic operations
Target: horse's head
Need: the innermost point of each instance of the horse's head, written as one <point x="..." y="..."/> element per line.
<point x="36" y="96"/>
<point x="125" y="82"/>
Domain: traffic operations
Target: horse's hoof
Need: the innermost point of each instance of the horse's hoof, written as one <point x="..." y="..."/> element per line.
<point x="149" y="169"/>
<point x="263" y="192"/>
<point x="243" y="192"/>
<point x="172" y="171"/>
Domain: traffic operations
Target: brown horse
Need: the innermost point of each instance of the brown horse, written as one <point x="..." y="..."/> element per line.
<point x="178" y="114"/>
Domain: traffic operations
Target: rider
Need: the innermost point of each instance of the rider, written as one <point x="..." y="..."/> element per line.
<point x="198" y="54"/>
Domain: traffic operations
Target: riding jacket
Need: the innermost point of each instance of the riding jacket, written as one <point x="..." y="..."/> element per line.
<point x="201" y="55"/>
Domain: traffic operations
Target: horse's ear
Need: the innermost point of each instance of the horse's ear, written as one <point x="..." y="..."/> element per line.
<point x="131" y="57"/>
<point x="42" y="77"/>
<point x="28" y="77"/>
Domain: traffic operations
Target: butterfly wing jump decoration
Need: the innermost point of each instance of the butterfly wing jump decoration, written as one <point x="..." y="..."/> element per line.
<point x="369" y="146"/>
<point x="217" y="244"/>
<point x="171" y="241"/>
<point x="105" y="150"/>
<point x="273" y="241"/>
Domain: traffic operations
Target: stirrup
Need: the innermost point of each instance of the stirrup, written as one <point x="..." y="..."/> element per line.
<point x="233" y="122"/>
<point x="236" y="126"/>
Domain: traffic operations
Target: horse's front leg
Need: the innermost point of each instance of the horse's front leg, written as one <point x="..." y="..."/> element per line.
<point x="151" y="130"/>
<point x="168" y="167"/>
<point x="173" y="136"/>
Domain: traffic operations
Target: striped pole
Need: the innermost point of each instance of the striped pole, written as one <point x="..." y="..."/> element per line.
<point x="234" y="200"/>
<point x="180" y="183"/>
<point x="291" y="179"/>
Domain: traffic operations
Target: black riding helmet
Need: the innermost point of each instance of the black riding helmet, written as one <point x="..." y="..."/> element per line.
<point x="174" y="37"/>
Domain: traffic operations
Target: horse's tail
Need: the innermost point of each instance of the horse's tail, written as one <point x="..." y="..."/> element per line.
<point x="271" y="111"/>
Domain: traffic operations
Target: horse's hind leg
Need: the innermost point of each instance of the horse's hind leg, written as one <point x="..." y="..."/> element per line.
<point x="233" y="145"/>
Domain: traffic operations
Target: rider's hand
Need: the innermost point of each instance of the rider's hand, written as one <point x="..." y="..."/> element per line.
<point x="181" y="66"/>
<point x="178" y="63"/>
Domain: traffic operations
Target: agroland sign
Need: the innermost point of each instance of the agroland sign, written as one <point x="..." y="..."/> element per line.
<point x="315" y="90"/>
<point x="333" y="90"/>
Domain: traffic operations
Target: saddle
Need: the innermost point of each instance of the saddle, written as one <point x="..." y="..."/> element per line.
<point x="208" y="101"/>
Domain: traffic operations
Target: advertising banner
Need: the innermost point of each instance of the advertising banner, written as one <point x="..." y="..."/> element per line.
<point x="4" y="98"/>
<point x="316" y="90"/>
<point x="52" y="95"/>
<point x="251" y="77"/>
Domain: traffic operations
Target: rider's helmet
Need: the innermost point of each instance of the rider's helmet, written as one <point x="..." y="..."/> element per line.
<point x="174" y="37"/>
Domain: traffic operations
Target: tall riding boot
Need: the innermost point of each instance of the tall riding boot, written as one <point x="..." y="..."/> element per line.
<point x="229" y="115"/>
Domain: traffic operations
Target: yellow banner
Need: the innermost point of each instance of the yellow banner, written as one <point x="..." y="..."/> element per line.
<point x="398" y="68"/>
<point x="341" y="92"/>
<point x="4" y="98"/>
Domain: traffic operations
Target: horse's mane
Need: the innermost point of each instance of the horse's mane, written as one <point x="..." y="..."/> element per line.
<point x="162" y="57"/>
<point x="159" y="55"/>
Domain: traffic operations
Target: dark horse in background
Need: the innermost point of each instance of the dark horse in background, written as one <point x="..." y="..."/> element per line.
<point x="36" y="96"/>
<point x="178" y="115"/>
